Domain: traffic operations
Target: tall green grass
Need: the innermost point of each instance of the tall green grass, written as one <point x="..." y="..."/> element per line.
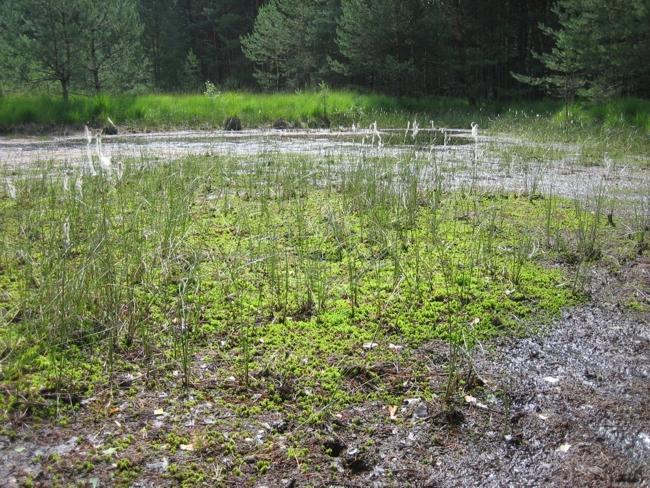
<point x="199" y="111"/>
<point x="309" y="108"/>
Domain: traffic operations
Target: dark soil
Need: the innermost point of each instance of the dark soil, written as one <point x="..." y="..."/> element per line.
<point x="568" y="407"/>
<point x="55" y="130"/>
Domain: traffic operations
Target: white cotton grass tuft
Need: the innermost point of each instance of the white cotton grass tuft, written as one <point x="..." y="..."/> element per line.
<point x="475" y="136"/>
<point x="106" y="164"/>
<point x="475" y="130"/>
<point x="104" y="161"/>
<point x="89" y="163"/>
<point x="66" y="233"/>
<point x="376" y="134"/>
<point x="88" y="134"/>
<point x="415" y="129"/>
<point x="79" y="186"/>
<point x="11" y="190"/>
<point x="89" y="157"/>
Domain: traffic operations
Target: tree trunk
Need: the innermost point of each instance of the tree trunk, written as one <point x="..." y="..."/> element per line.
<point x="98" y="83"/>
<point x="65" y="89"/>
<point x="95" y="68"/>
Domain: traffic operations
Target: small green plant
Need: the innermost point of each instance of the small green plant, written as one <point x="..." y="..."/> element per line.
<point x="297" y="454"/>
<point x="262" y="466"/>
<point x="210" y="90"/>
<point x="187" y="475"/>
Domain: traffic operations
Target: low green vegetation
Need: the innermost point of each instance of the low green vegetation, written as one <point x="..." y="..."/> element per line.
<point x="616" y="120"/>
<point x="246" y="314"/>
<point x="289" y="275"/>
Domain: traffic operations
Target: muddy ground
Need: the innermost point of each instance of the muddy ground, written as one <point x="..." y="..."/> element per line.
<point x="567" y="407"/>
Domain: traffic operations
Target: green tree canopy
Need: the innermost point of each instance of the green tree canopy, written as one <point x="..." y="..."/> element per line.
<point x="111" y="33"/>
<point x="76" y="43"/>
<point x="45" y="34"/>
<point x="600" y="49"/>
<point x="388" y="45"/>
<point x="291" y="42"/>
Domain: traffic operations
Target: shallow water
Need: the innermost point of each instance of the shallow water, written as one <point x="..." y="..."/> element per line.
<point x="462" y="165"/>
<point x="16" y="151"/>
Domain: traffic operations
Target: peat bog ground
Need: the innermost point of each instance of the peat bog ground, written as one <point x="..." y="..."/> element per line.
<point x="316" y="308"/>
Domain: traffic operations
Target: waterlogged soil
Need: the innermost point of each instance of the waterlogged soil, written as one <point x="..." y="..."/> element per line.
<point x="491" y="162"/>
<point x="315" y="142"/>
<point x="567" y="407"/>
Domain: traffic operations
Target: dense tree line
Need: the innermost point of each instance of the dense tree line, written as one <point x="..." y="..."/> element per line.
<point x="475" y="48"/>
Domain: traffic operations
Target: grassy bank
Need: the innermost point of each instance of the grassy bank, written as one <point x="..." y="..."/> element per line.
<point x="310" y="109"/>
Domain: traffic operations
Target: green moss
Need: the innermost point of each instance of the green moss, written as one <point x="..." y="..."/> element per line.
<point x="175" y="441"/>
<point x="187" y="476"/>
<point x="262" y="467"/>
<point x="294" y="275"/>
<point x="637" y="306"/>
<point x="297" y="453"/>
<point x="127" y="472"/>
<point x="86" y="467"/>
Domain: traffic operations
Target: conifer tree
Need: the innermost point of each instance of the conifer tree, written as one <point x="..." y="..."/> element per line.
<point x="192" y="79"/>
<point x="387" y="44"/>
<point x="110" y="42"/>
<point x="600" y="49"/>
<point x="291" y="42"/>
<point x="47" y="34"/>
